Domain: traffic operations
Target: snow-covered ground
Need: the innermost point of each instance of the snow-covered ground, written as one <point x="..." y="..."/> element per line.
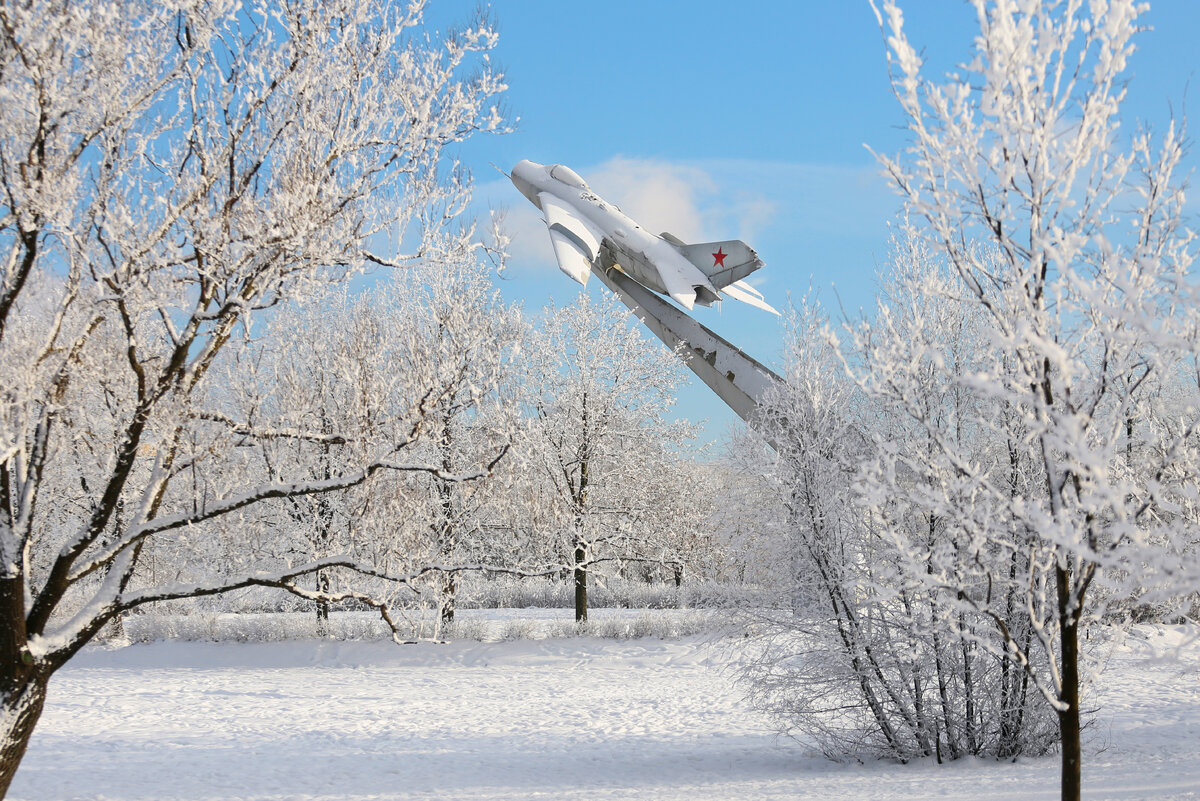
<point x="566" y="718"/>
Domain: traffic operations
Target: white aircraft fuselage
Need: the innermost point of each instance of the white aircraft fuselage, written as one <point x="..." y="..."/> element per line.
<point x="586" y="230"/>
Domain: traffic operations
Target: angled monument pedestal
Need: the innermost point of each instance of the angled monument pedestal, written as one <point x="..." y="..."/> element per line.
<point x="737" y="378"/>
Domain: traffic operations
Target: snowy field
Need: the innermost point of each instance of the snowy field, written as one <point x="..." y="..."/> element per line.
<point x="560" y="718"/>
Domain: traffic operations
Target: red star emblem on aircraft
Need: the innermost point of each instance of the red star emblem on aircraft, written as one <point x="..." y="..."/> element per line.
<point x="719" y="257"/>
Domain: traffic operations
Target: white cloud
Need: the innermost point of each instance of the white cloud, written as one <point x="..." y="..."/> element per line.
<point x="661" y="196"/>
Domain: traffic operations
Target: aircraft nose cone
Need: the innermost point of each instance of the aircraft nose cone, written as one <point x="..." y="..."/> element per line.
<point x="520" y="177"/>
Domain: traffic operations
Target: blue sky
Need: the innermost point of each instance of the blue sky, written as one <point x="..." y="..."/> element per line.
<point x="720" y="120"/>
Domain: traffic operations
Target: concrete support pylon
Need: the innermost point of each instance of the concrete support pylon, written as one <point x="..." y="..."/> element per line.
<point x="738" y="379"/>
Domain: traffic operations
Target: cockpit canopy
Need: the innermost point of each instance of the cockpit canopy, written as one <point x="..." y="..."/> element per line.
<point x="568" y="176"/>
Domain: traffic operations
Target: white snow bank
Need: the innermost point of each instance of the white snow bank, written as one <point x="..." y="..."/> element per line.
<point x="484" y="625"/>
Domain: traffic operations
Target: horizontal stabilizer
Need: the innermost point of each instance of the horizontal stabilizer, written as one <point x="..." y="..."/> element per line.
<point x="723" y="262"/>
<point x="740" y="290"/>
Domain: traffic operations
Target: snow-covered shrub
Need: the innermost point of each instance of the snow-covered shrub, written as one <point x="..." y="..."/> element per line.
<point x="505" y="592"/>
<point x="520" y="629"/>
<point x="864" y="659"/>
<point x="467" y="628"/>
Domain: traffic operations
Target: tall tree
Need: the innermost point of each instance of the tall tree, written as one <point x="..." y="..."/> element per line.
<point x="165" y="172"/>
<point x="1067" y="236"/>
<point x="599" y="393"/>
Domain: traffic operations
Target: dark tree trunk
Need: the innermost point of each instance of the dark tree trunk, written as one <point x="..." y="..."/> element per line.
<point x="22" y="683"/>
<point x="579" y="499"/>
<point x="1068" y="719"/>
<point x="323" y="586"/>
<point x="449" y="592"/>
<point x="323" y="533"/>
<point x="581" y="603"/>
<point x="19" y="713"/>
<point x="445" y="529"/>
<point x="322" y="583"/>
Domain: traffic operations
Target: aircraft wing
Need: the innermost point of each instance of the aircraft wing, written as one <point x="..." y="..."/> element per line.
<point x="576" y="241"/>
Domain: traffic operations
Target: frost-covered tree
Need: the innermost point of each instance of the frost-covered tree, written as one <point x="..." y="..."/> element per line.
<point x="1065" y="235"/>
<point x="165" y="172"/>
<point x="418" y="360"/>
<point x="864" y="658"/>
<point x="457" y="320"/>
<point x="599" y="441"/>
<point x="746" y="521"/>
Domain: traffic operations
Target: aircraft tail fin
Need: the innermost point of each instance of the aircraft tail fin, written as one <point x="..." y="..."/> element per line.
<point x="723" y="262"/>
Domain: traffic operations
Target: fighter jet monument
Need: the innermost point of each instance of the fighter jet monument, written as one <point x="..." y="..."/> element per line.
<point x="590" y="235"/>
